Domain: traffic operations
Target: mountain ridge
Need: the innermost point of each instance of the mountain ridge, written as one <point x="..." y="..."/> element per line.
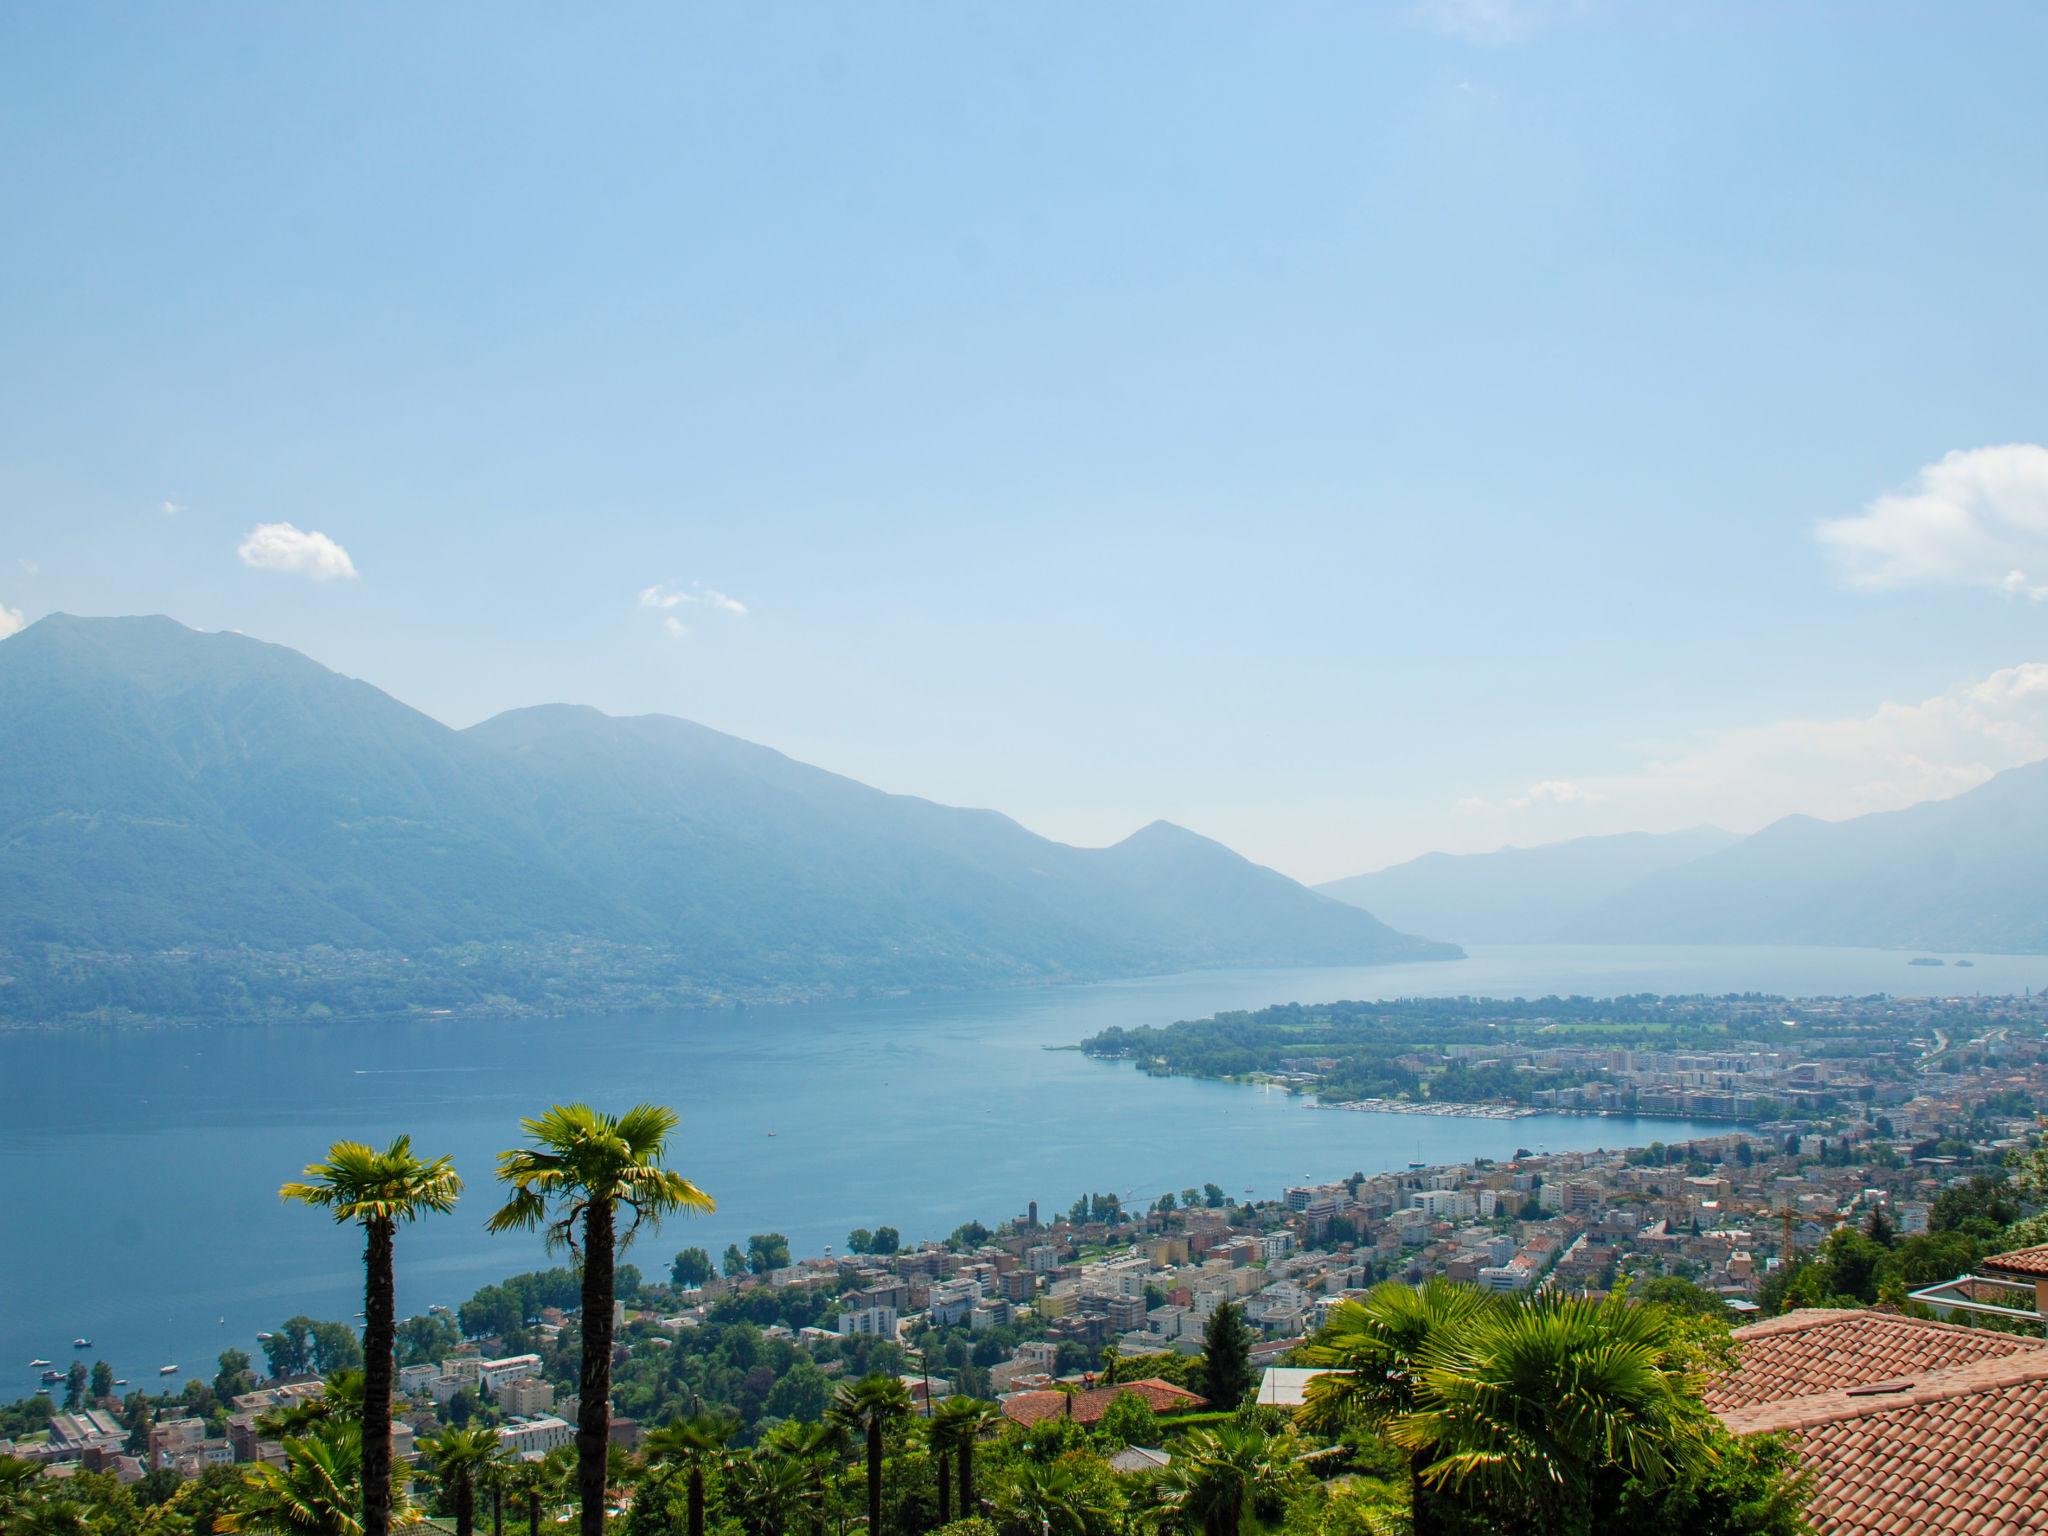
<point x="183" y="791"/>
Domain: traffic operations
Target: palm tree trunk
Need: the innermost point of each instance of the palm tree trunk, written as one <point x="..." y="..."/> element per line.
<point x="594" y="1390"/>
<point x="379" y="1325"/>
<point x="465" y="1507"/>
<point x="533" y="1512"/>
<point x="1422" y="1519"/>
<point x="497" y="1510"/>
<point x="945" y="1489"/>
<point x="696" y="1501"/>
<point x="967" y="1510"/>
<point x="874" y="1477"/>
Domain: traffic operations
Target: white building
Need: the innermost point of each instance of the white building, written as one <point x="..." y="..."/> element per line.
<point x="536" y="1437"/>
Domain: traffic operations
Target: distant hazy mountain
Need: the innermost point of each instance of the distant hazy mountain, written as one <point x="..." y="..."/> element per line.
<point x="1519" y="895"/>
<point x="216" y="802"/>
<point x="1966" y="873"/>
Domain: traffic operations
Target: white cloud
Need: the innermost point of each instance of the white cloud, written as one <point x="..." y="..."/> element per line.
<point x="295" y="551"/>
<point x="10" y="621"/>
<point x="1977" y="518"/>
<point x="1742" y="778"/>
<point x="665" y="596"/>
<point x="28" y="566"/>
<point x="170" y="508"/>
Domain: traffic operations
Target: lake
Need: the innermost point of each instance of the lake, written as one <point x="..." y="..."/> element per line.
<point x="143" y="1165"/>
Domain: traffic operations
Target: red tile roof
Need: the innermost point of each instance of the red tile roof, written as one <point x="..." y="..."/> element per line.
<point x="2021" y="1261"/>
<point x="1162" y="1396"/>
<point x="1813" y="1351"/>
<point x="1904" y="1430"/>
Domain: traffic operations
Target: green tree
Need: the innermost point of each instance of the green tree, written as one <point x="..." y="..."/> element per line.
<point x="1052" y="1498"/>
<point x="377" y="1190"/>
<point x="1227" y="1356"/>
<point x="1217" y="1476"/>
<point x="74" y="1385"/>
<point x="1371" y="1353"/>
<point x="958" y="1424"/>
<point x="1486" y="1420"/>
<point x="767" y="1251"/>
<point x="464" y="1459"/>
<point x="734" y="1263"/>
<point x="887" y="1240"/>
<point x="860" y="1240"/>
<point x="102" y="1385"/>
<point x="581" y="1168"/>
<point x="427" y="1339"/>
<point x="866" y="1409"/>
<point x="693" y="1447"/>
<point x="772" y="1494"/>
<point x="317" y="1492"/>
<point x="234" y="1376"/>
<point x="692" y="1267"/>
<point x="1128" y="1420"/>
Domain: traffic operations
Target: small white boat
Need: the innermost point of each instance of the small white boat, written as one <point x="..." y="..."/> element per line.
<point x="167" y="1370"/>
<point x="81" y="1343"/>
<point x="265" y="1338"/>
<point x="37" y="1365"/>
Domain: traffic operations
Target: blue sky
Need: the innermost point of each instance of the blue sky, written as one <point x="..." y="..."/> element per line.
<point x="1347" y="430"/>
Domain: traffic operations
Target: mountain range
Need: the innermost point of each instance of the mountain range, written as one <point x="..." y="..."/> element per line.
<point x="198" y="823"/>
<point x="1945" y="875"/>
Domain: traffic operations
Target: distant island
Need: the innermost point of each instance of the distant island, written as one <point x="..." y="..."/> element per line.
<point x="204" y="827"/>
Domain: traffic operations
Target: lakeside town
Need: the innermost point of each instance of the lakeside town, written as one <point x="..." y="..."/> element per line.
<point x="1065" y="1314"/>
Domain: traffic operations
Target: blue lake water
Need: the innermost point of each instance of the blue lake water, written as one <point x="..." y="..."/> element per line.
<point x="142" y="1166"/>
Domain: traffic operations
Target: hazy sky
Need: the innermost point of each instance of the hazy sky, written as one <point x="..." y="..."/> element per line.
<point x="1345" y="429"/>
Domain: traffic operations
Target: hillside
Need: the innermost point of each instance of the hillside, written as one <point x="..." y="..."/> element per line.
<point x="1958" y="874"/>
<point x="1519" y="895"/>
<point x="195" y="824"/>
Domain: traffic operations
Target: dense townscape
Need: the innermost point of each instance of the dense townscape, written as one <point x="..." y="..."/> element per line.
<point x="1211" y="1362"/>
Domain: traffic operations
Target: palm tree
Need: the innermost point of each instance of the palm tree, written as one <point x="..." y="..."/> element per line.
<point x="531" y="1482"/>
<point x="958" y="1423"/>
<point x="695" y="1446"/>
<point x="1050" y="1499"/>
<point x="1541" y="1412"/>
<point x="317" y="1492"/>
<point x="867" y="1408"/>
<point x="581" y="1168"/>
<point x="814" y="1450"/>
<point x="1217" y="1476"/>
<point x="462" y="1458"/>
<point x="1372" y="1352"/>
<point x="378" y="1190"/>
<point x="771" y="1489"/>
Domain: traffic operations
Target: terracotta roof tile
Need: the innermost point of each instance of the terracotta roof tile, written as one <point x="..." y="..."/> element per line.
<point x="1162" y="1396"/>
<point x="2020" y="1261"/>
<point x="1916" y="1434"/>
<point x="1816" y="1351"/>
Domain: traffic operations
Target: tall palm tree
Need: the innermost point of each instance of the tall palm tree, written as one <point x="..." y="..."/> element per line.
<point x="581" y="1168"/>
<point x="317" y="1492"/>
<point x="378" y="1190"/>
<point x="958" y="1423"/>
<point x="867" y="1408"/>
<point x="1217" y="1476"/>
<point x="463" y="1458"/>
<point x="693" y="1446"/>
<point x="1372" y="1353"/>
<point x="1541" y="1412"/>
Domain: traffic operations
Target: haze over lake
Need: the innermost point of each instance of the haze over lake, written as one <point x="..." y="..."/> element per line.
<point x="144" y="1164"/>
